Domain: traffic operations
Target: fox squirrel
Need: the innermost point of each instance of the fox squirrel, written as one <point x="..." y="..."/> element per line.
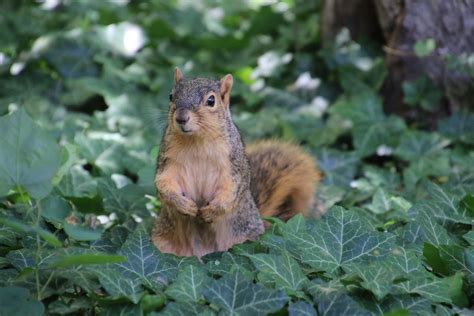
<point x="210" y="189"/>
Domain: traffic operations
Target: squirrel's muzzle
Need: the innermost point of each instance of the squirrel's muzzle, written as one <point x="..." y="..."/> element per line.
<point x="182" y="117"/>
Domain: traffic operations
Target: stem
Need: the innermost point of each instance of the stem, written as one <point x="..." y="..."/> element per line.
<point x="46" y="284"/>
<point x="38" y="249"/>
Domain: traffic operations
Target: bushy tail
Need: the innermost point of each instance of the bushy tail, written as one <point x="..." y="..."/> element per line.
<point x="284" y="178"/>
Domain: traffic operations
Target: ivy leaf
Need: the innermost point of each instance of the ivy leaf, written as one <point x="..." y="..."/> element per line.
<point x="457" y="258"/>
<point x="422" y="91"/>
<point x="441" y="290"/>
<point x="82" y="233"/>
<point x="371" y="128"/>
<point x="281" y="271"/>
<point x="405" y="261"/>
<point x="77" y="182"/>
<point x="469" y="237"/>
<point x="339" y="167"/>
<point x="339" y="238"/>
<point x="301" y="308"/>
<point x="189" y="285"/>
<point x="339" y="304"/>
<point x="29" y="156"/>
<point x="145" y="266"/>
<point x="144" y="262"/>
<point x="415" y="305"/>
<point x="425" y="47"/>
<point x="414" y="144"/>
<point x="8" y="236"/>
<point x="432" y="165"/>
<point x="227" y="262"/>
<point x="183" y="309"/>
<point x="382" y="202"/>
<point x="20" y="226"/>
<point x="237" y="295"/>
<point x="127" y="200"/>
<point x="18" y="301"/>
<point x="378" y="276"/>
<point x="431" y="230"/>
<point x="86" y="258"/>
<point x="445" y="206"/>
<point x="117" y="286"/>
<point x="459" y="126"/>
<point x="54" y="209"/>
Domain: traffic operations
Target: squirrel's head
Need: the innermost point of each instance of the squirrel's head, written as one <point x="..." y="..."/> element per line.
<point x="199" y="105"/>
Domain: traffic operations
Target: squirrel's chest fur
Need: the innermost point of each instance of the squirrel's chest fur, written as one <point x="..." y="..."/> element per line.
<point x="200" y="168"/>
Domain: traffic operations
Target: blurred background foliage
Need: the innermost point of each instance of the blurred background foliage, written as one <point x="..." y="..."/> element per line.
<point x="97" y="74"/>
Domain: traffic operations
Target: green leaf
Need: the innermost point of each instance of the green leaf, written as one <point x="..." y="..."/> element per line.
<point x="8" y="236"/>
<point x="415" y="305"/>
<point x="79" y="305"/>
<point x="382" y="202"/>
<point x="456" y="258"/>
<point x="441" y="290"/>
<point x="459" y="126"/>
<point x="117" y="286"/>
<point x="152" y="302"/>
<point x="431" y="231"/>
<point x="18" y="301"/>
<point x="71" y="57"/>
<point x="422" y="91"/>
<point x="122" y="310"/>
<point x="184" y="309"/>
<point x="397" y="312"/>
<point x="82" y="233"/>
<point x="433" y="258"/>
<point x="77" y="182"/>
<point x="414" y="144"/>
<point x="445" y="206"/>
<point x="92" y="258"/>
<point x="235" y="294"/>
<point x="339" y="238"/>
<point x="424" y="48"/>
<point x="29" y="156"/>
<point x="69" y="157"/>
<point x="378" y="276"/>
<point x="371" y="128"/>
<point x="54" y="209"/>
<point x="189" y="285"/>
<point x="467" y="204"/>
<point x="469" y="237"/>
<point x="226" y="263"/>
<point x="339" y="167"/>
<point x="280" y="271"/>
<point x="127" y="200"/>
<point x="144" y="266"/>
<point x="339" y="304"/>
<point x="24" y="228"/>
<point x="301" y="308"/>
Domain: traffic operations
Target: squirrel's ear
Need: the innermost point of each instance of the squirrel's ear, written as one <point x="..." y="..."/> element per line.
<point x="226" y="85"/>
<point x="178" y="75"/>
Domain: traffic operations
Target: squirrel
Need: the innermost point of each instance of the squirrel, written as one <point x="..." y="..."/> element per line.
<point x="213" y="192"/>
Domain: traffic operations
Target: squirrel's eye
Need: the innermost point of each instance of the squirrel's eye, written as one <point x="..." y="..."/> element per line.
<point x="211" y="101"/>
<point x="171" y="97"/>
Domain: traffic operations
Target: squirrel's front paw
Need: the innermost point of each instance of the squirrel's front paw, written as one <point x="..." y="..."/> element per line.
<point x="186" y="206"/>
<point x="211" y="211"/>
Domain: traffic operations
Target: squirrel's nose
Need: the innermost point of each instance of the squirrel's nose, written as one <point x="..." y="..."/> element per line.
<point x="182" y="119"/>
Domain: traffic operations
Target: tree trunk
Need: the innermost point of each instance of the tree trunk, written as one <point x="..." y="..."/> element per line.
<point x="403" y="23"/>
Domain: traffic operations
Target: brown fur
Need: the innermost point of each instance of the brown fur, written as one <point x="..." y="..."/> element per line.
<point x="284" y="178"/>
<point x="204" y="177"/>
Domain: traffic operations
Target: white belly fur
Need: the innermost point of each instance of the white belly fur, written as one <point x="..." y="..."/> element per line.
<point x="200" y="169"/>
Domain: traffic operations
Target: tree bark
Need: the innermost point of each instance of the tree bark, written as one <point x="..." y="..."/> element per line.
<point x="403" y="23"/>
